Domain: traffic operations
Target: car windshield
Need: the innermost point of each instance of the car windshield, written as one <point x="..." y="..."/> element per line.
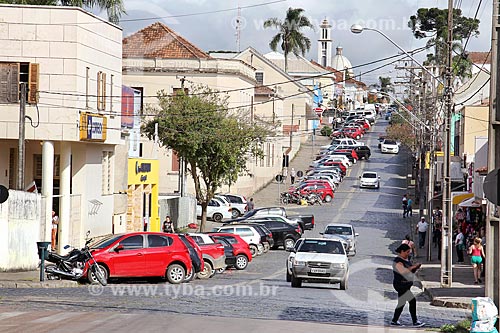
<point x="104" y="242"/>
<point x="369" y="175"/>
<point x="390" y="142"/>
<point x="320" y="246"/>
<point x="338" y="230"/>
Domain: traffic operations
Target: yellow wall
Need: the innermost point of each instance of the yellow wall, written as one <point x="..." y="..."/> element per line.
<point x="144" y="172"/>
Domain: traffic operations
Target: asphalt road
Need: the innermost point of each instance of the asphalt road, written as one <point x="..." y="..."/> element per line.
<point x="261" y="291"/>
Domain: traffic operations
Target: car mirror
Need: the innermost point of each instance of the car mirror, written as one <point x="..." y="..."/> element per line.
<point x="356" y="234"/>
<point x="321" y="233"/>
<point x="290" y="249"/>
<point x="378" y="177"/>
<point x="119" y="248"/>
<point x="359" y="177"/>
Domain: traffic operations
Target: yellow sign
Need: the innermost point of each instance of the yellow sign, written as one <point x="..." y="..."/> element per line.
<point x="142" y="171"/>
<point x="93" y="127"/>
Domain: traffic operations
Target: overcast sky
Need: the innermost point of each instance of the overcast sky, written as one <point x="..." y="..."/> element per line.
<point x="216" y="30"/>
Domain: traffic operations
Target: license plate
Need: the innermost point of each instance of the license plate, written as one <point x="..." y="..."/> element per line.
<point x="318" y="270"/>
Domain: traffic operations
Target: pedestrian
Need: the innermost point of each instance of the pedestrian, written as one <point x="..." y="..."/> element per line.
<point x="404" y="203"/>
<point x="55" y="225"/>
<point x="412" y="246"/>
<point x="284" y="174"/>
<point x="477" y="252"/>
<point x="460" y="246"/>
<point x="292" y="176"/>
<point x="436" y="235"/>
<point x="421" y="228"/>
<point x="460" y="216"/>
<point x="409" y="209"/>
<point x="168" y="225"/>
<point x="250" y="205"/>
<point x="404" y="273"/>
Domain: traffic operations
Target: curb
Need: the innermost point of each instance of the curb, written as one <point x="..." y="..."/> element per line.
<point x="443" y="301"/>
<point x="44" y="284"/>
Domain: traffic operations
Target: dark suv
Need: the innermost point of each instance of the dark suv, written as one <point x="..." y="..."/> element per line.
<point x="363" y="152"/>
<point x="284" y="234"/>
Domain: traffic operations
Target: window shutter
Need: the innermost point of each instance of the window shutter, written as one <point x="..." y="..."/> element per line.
<point x="9" y="82"/>
<point x="99" y="90"/>
<point x="33" y="86"/>
<point x="103" y="97"/>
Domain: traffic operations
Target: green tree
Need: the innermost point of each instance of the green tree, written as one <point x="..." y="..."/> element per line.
<point x="289" y="33"/>
<point x="385" y="84"/>
<point x="114" y="8"/>
<point x="216" y="142"/>
<point x="432" y="23"/>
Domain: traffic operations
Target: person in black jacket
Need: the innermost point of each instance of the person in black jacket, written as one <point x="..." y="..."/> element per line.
<point x="403" y="280"/>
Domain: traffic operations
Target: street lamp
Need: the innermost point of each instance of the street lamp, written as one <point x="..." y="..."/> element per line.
<point x="446" y="262"/>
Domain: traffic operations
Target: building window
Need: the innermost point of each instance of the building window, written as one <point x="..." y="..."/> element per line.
<point x="268" y="155"/>
<point x="111" y="79"/>
<point x="12" y="74"/>
<point x="107" y="186"/>
<point x="101" y="91"/>
<point x="259" y="77"/>
<point x="175" y="161"/>
<point x="87" y="79"/>
<point x="141" y="89"/>
<point x="37" y="166"/>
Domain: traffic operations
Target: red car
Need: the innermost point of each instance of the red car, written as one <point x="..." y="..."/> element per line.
<point x="213" y="255"/>
<point x="352" y="151"/>
<point x="241" y="249"/>
<point x="337" y="163"/>
<point x="354" y="133"/>
<point x="324" y="190"/>
<point x="143" y="254"/>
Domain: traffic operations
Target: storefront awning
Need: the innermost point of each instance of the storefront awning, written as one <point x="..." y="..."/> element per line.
<point x="471" y="202"/>
<point x="458" y="198"/>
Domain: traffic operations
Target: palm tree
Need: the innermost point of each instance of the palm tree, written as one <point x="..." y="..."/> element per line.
<point x="289" y="33"/>
<point x="115" y="8"/>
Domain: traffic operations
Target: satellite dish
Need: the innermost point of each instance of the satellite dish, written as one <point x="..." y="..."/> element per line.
<point x="4" y="194"/>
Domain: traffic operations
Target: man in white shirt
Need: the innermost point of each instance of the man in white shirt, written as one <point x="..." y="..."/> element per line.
<point x="422" y="231"/>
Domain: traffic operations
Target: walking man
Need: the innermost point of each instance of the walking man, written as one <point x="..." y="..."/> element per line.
<point x="250" y="205"/>
<point x="422" y="231"/>
<point x="404" y="203"/>
<point x="55" y="225"/>
<point x="292" y="176"/>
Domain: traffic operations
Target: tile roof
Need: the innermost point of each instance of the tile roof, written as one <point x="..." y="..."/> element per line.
<point x="158" y="41"/>
<point x="480" y="57"/>
<point x="263" y="90"/>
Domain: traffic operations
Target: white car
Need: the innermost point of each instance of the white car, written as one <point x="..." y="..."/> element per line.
<point x="389" y="146"/>
<point x="369" y="179"/>
<point x="238" y="203"/>
<point x="217" y="210"/>
<point x="318" y="260"/>
<point x="346" y="231"/>
<point x="248" y="234"/>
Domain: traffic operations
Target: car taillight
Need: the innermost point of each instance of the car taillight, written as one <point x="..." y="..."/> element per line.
<point x="298" y="230"/>
<point x="312" y="222"/>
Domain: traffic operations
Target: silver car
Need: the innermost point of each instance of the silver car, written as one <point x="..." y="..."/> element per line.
<point x="346" y="231"/>
<point x="318" y="260"/>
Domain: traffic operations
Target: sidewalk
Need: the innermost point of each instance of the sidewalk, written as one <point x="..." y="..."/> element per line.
<point x="458" y="296"/>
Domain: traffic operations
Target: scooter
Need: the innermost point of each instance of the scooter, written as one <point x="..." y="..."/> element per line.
<point x="75" y="265"/>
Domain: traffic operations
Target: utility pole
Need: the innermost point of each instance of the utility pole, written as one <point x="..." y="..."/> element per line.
<point x="182" y="162"/>
<point x="447" y="242"/>
<point x="492" y="281"/>
<point x="22" y="135"/>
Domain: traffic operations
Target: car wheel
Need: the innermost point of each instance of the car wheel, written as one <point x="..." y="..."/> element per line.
<point x="93" y="275"/>
<point x="241" y="262"/>
<point x="289" y="242"/>
<point x="176" y="274"/>
<point x="328" y="198"/>
<point x="220" y="270"/>
<point x="288" y="276"/>
<point x="235" y="213"/>
<point x="253" y="250"/>
<point x="217" y="217"/>
<point x="296" y="282"/>
<point x="189" y="277"/>
<point x="206" y="272"/>
<point x="343" y="284"/>
<point x="266" y="247"/>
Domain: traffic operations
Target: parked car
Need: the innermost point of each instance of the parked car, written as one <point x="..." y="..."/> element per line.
<point x="306" y="221"/>
<point x="213" y="255"/>
<point x="389" y="146"/>
<point x="319" y="260"/>
<point x="248" y="233"/>
<point x="284" y="234"/>
<point x="238" y="204"/>
<point x="241" y="250"/>
<point x="363" y="152"/>
<point x="143" y="254"/>
<point x="346" y="231"/>
<point x="266" y="237"/>
<point x="369" y="179"/>
<point x="217" y="210"/>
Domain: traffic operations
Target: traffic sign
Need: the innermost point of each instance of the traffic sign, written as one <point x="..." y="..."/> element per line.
<point x="4" y="194"/>
<point x="300" y="174"/>
<point x="279" y="178"/>
<point x="319" y="111"/>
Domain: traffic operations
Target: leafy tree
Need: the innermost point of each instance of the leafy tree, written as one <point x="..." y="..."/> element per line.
<point x="386" y="84"/>
<point x="432" y="23"/>
<point x="114" y="8"/>
<point x="215" y="141"/>
<point x="289" y="34"/>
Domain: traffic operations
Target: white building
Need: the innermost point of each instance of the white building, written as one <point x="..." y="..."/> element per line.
<point x="71" y="62"/>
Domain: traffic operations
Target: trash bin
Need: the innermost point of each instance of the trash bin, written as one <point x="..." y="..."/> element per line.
<point x="43" y="254"/>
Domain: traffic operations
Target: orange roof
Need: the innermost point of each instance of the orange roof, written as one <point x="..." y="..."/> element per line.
<point x="480" y="57"/>
<point x="159" y="41"/>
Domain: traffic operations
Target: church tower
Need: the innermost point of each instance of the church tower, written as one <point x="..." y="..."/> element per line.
<point x="325" y="44"/>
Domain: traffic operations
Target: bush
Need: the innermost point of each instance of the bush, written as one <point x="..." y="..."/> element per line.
<point x="326" y="131"/>
<point x="461" y="327"/>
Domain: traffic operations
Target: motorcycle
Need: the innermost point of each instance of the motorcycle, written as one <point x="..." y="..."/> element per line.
<point x="75" y="265"/>
<point x="313" y="198"/>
